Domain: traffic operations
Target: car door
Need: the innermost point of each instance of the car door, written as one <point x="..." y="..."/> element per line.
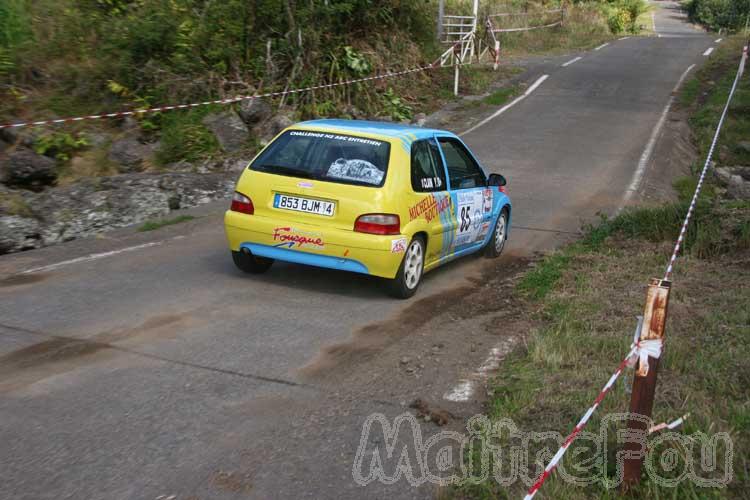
<point x="472" y="200"/>
<point x="431" y="199"/>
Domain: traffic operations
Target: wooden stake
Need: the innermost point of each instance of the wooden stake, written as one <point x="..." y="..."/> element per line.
<point x="644" y="384"/>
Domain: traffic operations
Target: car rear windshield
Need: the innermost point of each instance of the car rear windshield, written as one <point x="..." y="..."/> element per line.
<point x="326" y="156"/>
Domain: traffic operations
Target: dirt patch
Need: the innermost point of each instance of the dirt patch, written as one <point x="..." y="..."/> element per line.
<point x="673" y="155"/>
<point x="439" y="416"/>
<point x="22" y="279"/>
<point x="53" y="350"/>
<point x="58" y="355"/>
<point x="481" y="298"/>
<point x="163" y="326"/>
<point x="233" y="482"/>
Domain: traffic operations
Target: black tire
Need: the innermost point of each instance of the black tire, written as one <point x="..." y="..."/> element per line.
<point x="410" y="273"/>
<point x="499" y="236"/>
<point x="251" y="264"/>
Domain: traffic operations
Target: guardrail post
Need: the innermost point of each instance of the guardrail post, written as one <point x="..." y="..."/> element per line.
<point x="456" y="68"/>
<point x="441" y="15"/>
<point x="644" y="384"/>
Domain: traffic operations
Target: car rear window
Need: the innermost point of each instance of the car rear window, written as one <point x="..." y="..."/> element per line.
<point x="326" y="156"/>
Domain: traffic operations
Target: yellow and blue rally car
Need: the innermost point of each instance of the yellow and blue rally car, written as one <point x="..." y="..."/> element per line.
<point x="388" y="200"/>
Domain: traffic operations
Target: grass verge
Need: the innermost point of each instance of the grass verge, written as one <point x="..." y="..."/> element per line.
<point x="154" y="225"/>
<point x="584" y="299"/>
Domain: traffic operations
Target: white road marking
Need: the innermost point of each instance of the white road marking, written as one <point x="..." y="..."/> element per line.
<point x="90" y="257"/>
<point x="572" y="61"/>
<point x="462" y="392"/>
<point x="465" y="387"/>
<point x="600" y="47"/>
<point x="708" y="51"/>
<point x="653" y="20"/>
<point x="646" y="156"/>
<point x="718" y="40"/>
<point x="505" y="108"/>
<point x="536" y="84"/>
<point x="623" y="38"/>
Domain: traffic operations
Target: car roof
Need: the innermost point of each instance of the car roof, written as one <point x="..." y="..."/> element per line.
<point x="407" y="133"/>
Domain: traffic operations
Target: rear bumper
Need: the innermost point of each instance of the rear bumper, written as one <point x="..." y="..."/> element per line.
<point x="312" y="245"/>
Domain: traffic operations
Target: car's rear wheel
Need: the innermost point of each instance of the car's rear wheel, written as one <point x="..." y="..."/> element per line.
<point x="249" y="263"/>
<point x="410" y="272"/>
<point x="496" y="244"/>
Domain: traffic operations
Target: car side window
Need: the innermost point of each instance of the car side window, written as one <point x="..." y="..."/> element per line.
<point x="427" y="172"/>
<point x="463" y="171"/>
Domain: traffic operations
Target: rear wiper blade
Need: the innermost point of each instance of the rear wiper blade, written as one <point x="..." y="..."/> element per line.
<point x="296" y="172"/>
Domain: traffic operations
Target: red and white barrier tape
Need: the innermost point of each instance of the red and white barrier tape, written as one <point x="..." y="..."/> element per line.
<point x="688" y="216"/>
<point x="530" y="28"/>
<point x="638" y="350"/>
<point x="670" y="426"/>
<point x="230" y="100"/>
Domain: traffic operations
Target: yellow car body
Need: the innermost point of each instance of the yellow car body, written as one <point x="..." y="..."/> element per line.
<point x="278" y="230"/>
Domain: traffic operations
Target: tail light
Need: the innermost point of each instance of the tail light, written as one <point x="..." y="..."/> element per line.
<point x="242" y="204"/>
<point x="378" y="224"/>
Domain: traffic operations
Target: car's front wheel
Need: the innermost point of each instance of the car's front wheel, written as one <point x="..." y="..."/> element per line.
<point x="499" y="236"/>
<point x="249" y="263"/>
<point x="410" y="272"/>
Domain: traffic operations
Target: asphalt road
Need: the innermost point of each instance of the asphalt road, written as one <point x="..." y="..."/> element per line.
<point x="162" y="370"/>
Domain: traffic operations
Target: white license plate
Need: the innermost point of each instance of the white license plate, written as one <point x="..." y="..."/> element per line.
<point x="306" y="205"/>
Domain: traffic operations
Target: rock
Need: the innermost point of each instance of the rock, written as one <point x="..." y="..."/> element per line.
<point x="129" y="154"/>
<point x="228" y="165"/>
<point x="354" y="112"/>
<point x="269" y="129"/>
<point x="130" y="124"/>
<point x="26" y="169"/>
<point x="419" y="119"/>
<point x="723" y="175"/>
<point x="229" y="130"/>
<point x="23" y="136"/>
<point x="254" y="111"/>
<point x="738" y="188"/>
<point x="405" y="360"/>
<point x="279" y="123"/>
<point x="181" y="166"/>
<point x="18" y="233"/>
<point x="96" y="140"/>
<point x="736" y="180"/>
<point x="95" y="205"/>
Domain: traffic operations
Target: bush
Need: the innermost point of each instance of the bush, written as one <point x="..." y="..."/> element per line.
<point x="719" y="14"/>
<point x="184" y="137"/>
<point x="59" y="145"/>
<point x="617" y="20"/>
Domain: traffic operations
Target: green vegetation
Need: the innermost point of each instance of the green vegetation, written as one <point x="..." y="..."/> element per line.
<point x="501" y="96"/>
<point x="135" y="53"/>
<point x="729" y="15"/>
<point x="59" y="145"/>
<point x="706" y="94"/>
<point x="14" y="204"/>
<point x="184" y="137"/>
<point x="154" y="225"/>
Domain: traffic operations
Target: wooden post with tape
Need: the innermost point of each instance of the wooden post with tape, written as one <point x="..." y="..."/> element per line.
<point x="644" y="384"/>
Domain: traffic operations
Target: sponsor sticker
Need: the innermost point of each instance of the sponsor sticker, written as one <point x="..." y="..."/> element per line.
<point x="398" y="246"/>
<point x="487" y="201"/>
<point x="292" y="238"/>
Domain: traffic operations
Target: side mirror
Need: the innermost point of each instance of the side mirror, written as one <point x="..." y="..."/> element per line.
<point x="496" y="180"/>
